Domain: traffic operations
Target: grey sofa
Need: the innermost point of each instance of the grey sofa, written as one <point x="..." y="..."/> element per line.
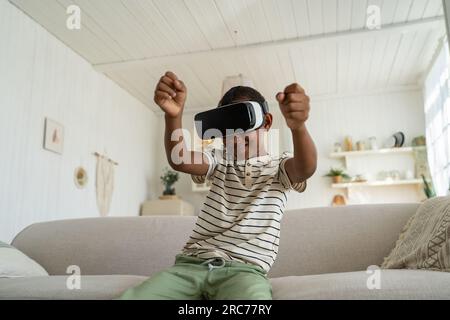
<point x="324" y="254"/>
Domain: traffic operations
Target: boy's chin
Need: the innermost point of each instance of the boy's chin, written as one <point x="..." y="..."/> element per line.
<point x="245" y="156"/>
<point x="241" y="156"/>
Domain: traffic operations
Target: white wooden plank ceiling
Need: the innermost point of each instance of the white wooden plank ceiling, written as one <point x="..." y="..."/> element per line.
<point x="322" y="44"/>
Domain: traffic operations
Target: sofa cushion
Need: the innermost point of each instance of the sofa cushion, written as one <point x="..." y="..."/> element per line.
<point x="394" y="284"/>
<point x="425" y="240"/>
<point x="54" y="287"/>
<point x="14" y="263"/>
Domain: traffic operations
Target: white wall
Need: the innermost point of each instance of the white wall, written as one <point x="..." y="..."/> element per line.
<point x="41" y="77"/>
<point x="360" y="116"/>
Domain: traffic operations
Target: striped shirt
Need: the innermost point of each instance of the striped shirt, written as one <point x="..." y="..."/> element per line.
<point x="240" y="218"/>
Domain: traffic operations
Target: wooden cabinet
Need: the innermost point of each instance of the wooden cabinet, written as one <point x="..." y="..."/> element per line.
<point x="167" y="207"/>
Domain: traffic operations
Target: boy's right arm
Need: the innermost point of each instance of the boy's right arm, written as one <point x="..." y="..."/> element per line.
<point x="170" y="96"/>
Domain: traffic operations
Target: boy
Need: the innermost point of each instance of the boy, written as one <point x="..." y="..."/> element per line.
<point x="236" y="236"/>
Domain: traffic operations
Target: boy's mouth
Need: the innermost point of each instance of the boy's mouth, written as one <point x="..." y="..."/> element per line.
<point x="246" y="144"/>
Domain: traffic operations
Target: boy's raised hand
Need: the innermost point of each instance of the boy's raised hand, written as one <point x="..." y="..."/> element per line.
<point x="170" y="94"/>
<point x="294" y="105"/>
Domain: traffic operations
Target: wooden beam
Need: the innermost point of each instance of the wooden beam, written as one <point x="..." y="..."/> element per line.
<point x="397" y="28"/>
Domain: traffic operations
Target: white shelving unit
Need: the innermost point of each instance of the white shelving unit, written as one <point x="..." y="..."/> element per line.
<point x="338" y="155"/>
<point x="377" y="183"/>
<point x="371" y="163"/>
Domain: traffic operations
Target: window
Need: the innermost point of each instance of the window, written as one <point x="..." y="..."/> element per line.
<point x="437" y="117"/>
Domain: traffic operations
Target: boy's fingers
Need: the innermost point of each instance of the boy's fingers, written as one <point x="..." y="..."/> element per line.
<point x="301" y="115"/>
<point x="296" y="97"/>
<point x="162" y="95"/>
<point x="296" y="106"/>
<point x="179" y="85"/>
<point x="294" y="88"/>
<point x="171" y="75"/>
<point x="280" y="97"/>
<point x="292" y="93"/>
<point x="171" y="80"/>
<point x="167" y="80"/>
<point x="164" y="87"/>
<point x="295" y="111"/>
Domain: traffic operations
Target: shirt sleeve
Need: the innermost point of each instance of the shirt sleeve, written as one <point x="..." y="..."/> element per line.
<point x="284" y="177"/>
<point x="212" y="161"/>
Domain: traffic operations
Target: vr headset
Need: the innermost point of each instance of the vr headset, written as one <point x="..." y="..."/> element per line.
<point x="222" y="121"/>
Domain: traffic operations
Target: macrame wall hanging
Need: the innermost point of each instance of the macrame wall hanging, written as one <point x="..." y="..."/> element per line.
<point x="104" y="183"/>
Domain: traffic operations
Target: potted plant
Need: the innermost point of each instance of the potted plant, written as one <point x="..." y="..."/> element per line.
<point x="337" y="175"/>
<point x="169" y="178"/>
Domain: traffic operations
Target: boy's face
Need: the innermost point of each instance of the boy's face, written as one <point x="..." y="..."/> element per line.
<point x="248" y="145"/>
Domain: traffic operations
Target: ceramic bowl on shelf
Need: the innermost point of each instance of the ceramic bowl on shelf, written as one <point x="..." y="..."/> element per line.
<point x="397" y="140"/>
<point x="390" y="142"/>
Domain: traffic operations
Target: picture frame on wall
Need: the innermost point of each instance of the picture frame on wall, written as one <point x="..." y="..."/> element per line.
<point x="53" y="136"/>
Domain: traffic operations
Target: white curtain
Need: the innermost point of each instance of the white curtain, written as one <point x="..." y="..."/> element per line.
<point x="437" y="117"/>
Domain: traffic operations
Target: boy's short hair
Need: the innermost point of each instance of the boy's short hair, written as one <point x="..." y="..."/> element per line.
<point x="239" y="93"/>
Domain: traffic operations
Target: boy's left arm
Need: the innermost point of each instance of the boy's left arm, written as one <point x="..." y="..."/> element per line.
<point x="294" y="105"/>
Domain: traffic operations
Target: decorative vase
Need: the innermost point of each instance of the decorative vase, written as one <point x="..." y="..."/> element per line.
<point x="169" y="194"/>
<point x="169" y="191"/>
<point x="348" y="143"/>
<point x="337" y="179"/>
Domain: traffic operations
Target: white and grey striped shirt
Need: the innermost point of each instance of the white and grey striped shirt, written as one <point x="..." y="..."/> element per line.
<point x="240" y="219"/>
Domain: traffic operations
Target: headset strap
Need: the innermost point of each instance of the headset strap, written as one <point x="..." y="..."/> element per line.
<point x="265" y="107"/>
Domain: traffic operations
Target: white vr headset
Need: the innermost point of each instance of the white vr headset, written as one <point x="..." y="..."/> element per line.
<point x="220" y="122"/>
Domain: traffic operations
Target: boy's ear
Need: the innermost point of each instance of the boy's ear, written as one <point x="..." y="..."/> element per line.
<point x="268" y="119"/>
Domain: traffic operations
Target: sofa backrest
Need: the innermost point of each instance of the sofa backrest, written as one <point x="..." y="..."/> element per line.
<point x="313" y="241"/>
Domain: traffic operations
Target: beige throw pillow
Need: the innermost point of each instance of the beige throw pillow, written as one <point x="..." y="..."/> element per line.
<point x="15" y="264"/>
<point x="425" y="240"/>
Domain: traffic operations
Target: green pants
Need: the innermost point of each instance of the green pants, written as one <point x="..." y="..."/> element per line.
<point x="195" y="279"/>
